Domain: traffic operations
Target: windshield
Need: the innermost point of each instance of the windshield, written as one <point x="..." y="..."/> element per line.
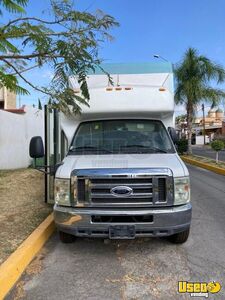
<point x="121" y="136"/>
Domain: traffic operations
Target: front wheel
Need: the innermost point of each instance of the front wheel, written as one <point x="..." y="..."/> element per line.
<point x="180" y="237"/>
<point x="66" y="237"/>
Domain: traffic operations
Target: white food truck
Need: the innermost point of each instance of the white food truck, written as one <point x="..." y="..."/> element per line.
<point x="122" y="177"/>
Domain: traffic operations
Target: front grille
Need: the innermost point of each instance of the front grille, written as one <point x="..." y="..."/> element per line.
<point x="100" y="191"/>
<point x="146" y="191"/>
<point x="81" y="189"/>
<point x="121" y="180"/>
<point x="117" y="200"/>
<point x="162" y="189"/>
<point x="136" y="190"/>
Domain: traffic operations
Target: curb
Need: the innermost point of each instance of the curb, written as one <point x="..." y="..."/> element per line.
<point x="13" y="267"/>
<point x="203" y="165"/>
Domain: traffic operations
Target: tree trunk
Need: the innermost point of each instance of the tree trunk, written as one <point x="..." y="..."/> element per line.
<point x="189" y="125"/>
<point x="217" y="156"/>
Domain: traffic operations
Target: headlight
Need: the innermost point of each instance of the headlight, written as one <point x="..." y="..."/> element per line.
<point x="181" y="190"/>
<point x="62" y="192"/>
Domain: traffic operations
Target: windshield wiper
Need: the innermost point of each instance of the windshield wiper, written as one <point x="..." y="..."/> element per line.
<point x="158" y="150"/>
<point x="91" y="148"/>
<point x="155" y="149"/>
<point x="134" y="146"/>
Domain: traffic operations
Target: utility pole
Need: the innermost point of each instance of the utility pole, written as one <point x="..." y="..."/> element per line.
<point x="203" y="115"/>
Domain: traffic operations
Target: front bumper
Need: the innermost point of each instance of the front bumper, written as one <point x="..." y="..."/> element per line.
<point x="166" y="221"/>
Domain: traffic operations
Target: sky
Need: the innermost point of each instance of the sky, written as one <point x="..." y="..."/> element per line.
<point x="148" y="27"/>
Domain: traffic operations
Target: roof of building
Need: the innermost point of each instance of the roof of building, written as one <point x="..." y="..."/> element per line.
<point x="212" y="110"/>
<point x="20" y="110"/>
<point x="208" y="127"/>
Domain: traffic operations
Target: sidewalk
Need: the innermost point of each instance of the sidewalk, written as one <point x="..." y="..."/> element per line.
<point x="206" y="151"/>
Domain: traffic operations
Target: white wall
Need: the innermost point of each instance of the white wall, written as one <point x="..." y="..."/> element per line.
<point x="16" y="131"/>
<point x="200" y="139"/>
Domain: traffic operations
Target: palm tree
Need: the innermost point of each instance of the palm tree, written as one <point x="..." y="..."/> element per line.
<point x="193" y="76"/>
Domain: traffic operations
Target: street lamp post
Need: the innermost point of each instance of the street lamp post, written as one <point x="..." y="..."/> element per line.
<point x="203" y="118"/>
<point x="159" y="56"/>
<point x="163" y="58"/>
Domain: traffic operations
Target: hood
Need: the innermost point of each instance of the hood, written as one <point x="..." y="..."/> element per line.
<point x="159" y="160"/>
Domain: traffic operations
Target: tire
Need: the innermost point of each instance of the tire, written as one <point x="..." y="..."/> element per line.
<point x="66" y="238"/>
<point x="180" y="237"/>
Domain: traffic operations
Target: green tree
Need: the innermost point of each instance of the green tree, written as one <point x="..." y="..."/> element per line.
<point x="15" y="6"/>
<point x="180" y="119"/>
<point x="67" y="42"/>
<point x="217" y="145"/>
<point x="193" y="76"/>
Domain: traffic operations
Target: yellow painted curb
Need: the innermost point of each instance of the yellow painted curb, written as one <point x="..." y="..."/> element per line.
<point x="13" y="267"/>
<point x="203" y="165"/>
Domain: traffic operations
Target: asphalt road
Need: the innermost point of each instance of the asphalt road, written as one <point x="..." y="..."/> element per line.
<point x="138" y="269"/>
<point x="207" y="152"/>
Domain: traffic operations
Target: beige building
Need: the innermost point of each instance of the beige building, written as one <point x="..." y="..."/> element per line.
<point x="214" y="118"/>
<point x="7" y="99"/>
<point x="214" y="121"/>
<point x="223" y="128"/>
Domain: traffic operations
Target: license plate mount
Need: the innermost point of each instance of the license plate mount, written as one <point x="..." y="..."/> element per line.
<point x="122" y="232"/>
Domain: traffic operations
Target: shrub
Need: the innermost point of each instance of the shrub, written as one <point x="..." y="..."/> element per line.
<point x="220" y="137"/>
<point x="217" y="145"/>
<point x="182" y="146"/>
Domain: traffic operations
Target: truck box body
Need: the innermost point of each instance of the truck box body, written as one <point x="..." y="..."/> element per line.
<point x="122" y="177"/>
<point x="144" y="99"/>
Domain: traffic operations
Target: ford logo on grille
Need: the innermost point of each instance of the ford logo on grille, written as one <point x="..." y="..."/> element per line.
<point x="121" y="191"/>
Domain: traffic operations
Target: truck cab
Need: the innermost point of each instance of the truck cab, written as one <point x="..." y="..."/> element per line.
<point x="122" y="177"/>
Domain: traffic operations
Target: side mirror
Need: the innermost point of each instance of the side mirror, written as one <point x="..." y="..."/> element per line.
<point x="173" y="135"/>
<point x="36" y="147"/>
